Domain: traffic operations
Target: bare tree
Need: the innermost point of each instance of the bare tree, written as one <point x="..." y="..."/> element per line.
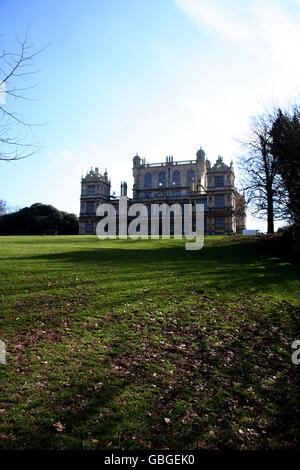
<point x="16" y="69"/>
<point x="261" y="181"/>
<point x="3" y="207"/>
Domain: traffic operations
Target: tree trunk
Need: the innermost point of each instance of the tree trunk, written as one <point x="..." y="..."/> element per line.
<point x="270" y="210"/>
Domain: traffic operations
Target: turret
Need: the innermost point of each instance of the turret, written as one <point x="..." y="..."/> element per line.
<point x="200" y="155"/>
<point x="201" y="173"/>
<point x="136" y="165"/>
<point x="136" y="161"/>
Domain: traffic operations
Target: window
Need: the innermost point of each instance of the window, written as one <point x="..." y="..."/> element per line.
<point x="219" y="181"/>
<point x="89" y="226"/>
<point x="220" y="200"/>
<point x="91" y="189"/>
<point x="162" y="179"/>
<point x="90" y="207"/>
<point x="204" y="202"/>
<point x="190" y="176"/>
<point x="220" y="222"/>
<point x="148" y="180"/>
<point x="148" y="195"/>
<point x="176" y="177"/>
<point x="176" y="193"/>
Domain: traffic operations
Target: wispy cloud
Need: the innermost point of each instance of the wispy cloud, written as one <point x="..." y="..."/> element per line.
<point x="266" y="32"/>
<point x="258" y="20"/>
<point x="254" y="56"/>
<point x="215" y="15"/>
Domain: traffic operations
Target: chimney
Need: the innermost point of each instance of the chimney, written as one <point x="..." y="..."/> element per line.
<point x="123" y="188"/>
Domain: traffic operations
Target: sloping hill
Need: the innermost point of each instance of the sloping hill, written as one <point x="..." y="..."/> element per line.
<point x="140" y="344"/>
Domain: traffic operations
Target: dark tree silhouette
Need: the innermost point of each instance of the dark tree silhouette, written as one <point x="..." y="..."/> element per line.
<point x="39" y="219"/>
<point x="261" y="181"/>
<point x="286" y="150"/>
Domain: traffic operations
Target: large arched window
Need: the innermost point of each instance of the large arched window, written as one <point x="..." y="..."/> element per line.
<point x="162" y="179"/>
<point x="148" y="180"/>
<point x="176" y="177"/>
<point x="190" y="176"/>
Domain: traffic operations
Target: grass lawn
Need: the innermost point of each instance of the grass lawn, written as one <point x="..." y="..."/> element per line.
<point x="123" y="344"/>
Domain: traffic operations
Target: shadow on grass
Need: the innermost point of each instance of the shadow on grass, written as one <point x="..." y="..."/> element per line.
<point x="77" y="419"/>
<point x="222" y="409"/>
<point x="230" y="264"/>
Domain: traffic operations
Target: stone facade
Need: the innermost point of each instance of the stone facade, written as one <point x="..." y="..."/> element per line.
<point x="190" y="181"/>
<point x="95" y="189"/>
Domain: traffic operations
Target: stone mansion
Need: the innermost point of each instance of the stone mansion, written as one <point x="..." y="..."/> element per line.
<point x="189" y="181"/>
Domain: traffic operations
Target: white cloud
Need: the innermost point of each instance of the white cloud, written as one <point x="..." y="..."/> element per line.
<point x="261" y="36"/>
<point x="214" y="15"/>
<point x="269" y="21"/>
<point x="65" y="153"/>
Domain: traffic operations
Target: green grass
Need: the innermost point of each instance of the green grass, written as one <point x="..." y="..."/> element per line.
<point x="143" y="345"/>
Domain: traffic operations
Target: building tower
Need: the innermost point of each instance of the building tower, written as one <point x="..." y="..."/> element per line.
<point x="135" y="170"/>
<point x="95" y="189"/>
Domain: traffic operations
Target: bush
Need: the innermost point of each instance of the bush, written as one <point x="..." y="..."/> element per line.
<point x="285" y="244"/>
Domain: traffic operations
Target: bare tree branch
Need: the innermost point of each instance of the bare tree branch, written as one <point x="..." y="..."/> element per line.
<point x="15" y="69"/>
<point x="3" y="207"/>
<point x="261" y="182"/>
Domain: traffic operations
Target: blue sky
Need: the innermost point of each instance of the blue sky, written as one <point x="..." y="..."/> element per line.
<point x="157" y="77"/>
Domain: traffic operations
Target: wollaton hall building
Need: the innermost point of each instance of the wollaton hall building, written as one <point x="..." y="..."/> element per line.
<point x="188" y="181"/>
